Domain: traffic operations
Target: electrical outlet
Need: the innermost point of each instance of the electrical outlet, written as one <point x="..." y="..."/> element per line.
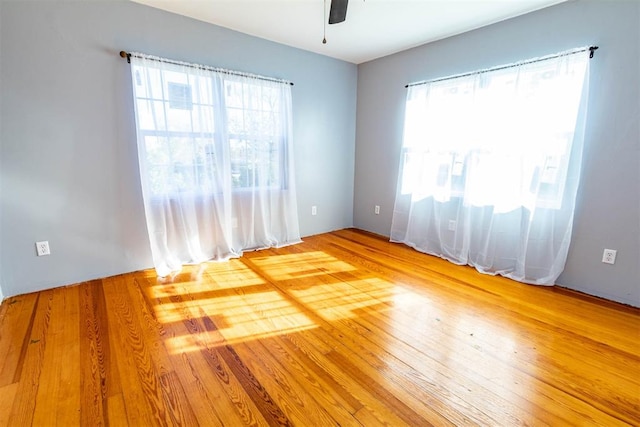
<point x="609" y="256"/>
<point x="452" y="225"/>
<point x="42" y="248"/>
<point x="376" y="210"/>
<point x="314" y="210"/>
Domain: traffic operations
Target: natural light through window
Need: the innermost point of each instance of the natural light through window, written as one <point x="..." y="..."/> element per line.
<point x="500" y="138"/>
<point x="490" y="166"/>
<point x="197" y="129"/>
<point x="215" y="153"/>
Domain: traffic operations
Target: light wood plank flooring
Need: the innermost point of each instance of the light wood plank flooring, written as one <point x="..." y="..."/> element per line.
<point x="343" y="329"/>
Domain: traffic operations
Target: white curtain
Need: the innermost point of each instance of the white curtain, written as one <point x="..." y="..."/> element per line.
<point x="490" y="167"/>
<point x="216" y="161"/>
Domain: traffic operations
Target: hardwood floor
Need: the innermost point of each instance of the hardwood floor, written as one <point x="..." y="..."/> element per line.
<point x="343" y="329"/>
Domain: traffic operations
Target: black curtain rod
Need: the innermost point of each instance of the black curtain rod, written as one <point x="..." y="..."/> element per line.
<point x="591" y="49"/>
<point x="128" y="55"/>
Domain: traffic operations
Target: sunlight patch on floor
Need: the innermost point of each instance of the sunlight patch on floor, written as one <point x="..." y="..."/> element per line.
<point x="340" y="300"/>
<point x="212" y="276"/>
<point x="297" y="266"/>
<point x="228" y="336"/>
<point x="243" y="306"/>
<point x="264" y="302"/>
<point x="237" y="318"/>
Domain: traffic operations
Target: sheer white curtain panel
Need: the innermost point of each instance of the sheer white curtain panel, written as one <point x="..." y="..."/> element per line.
<point x="216" y="162"/>
<point x="490" y="167"/>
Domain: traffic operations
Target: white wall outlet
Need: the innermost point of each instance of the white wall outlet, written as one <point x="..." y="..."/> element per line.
<point x="314" y="210"/>
<point x="609" y="256"/>
<point x="42" y="248"/>
<point x="376" y="209"/>
<point x="452" y="224"/>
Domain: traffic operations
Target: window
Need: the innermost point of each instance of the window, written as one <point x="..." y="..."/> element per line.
<point x="216" y="161"/>
<point x="253" y="124"/>
<point x="190" y="123"/>
<point x="499" y="138"/>
<point x="490" y="166"/>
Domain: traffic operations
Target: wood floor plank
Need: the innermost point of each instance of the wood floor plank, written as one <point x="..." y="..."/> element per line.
<point x="58" y="396"/>
<point x="342" y="329"/>
<point x="32" y="355"/>
<point x="116" y="414"/>
<point x="70" y="395"/>
<point x="94" y="349"/>
<point x="16" y="323"/>
<point x="152" y="331"/>
<point x="139" y="383"/>
<point x="7" y="397"/>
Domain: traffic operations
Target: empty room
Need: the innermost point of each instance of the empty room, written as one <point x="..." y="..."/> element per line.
<point x="319" y="212"/>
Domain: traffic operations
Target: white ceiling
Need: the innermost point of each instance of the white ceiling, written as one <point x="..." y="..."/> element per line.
<point x="373" y="28"/>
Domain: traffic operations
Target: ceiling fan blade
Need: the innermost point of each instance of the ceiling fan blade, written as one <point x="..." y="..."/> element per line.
<point x="338" y="11"/>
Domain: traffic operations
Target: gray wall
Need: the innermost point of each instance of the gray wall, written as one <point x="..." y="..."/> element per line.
<point x="68" y="165"/>
<point x="608" y="206"/>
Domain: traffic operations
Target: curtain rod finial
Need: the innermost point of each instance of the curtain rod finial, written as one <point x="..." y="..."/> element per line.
<point x="124" y="54"/>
